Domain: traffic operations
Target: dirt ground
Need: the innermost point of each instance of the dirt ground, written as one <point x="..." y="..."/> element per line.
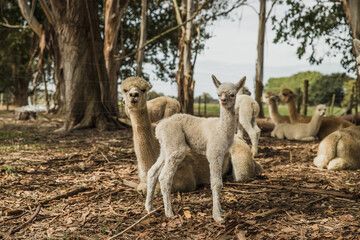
<point x="81" y="185"/>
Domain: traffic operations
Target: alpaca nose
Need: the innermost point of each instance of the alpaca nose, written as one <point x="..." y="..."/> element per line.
<point x="135" y="94"/>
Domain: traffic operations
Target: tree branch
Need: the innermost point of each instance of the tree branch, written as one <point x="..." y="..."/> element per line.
<point x="120" y="58"/>
<point x="26" y="12"/>
<point x="47" y="12"/>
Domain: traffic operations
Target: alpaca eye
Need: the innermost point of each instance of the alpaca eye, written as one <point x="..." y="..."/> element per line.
<point x="125" y="90"/>
<point x="232" y="95"/>
<point x="143" y="90"/>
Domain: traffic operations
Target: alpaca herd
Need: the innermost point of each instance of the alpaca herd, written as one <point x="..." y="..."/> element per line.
<point x="178" y="152"/>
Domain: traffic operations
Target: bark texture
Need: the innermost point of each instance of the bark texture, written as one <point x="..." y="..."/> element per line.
<point x="83" y="65"/>
<point x="259" y="86"/>
<point x="113" y="12"/>
<point x="143" y="35"/>
<point x="184" y="76"/>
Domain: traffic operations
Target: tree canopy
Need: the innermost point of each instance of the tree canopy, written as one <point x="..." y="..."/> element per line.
<point x="317" y="29"/>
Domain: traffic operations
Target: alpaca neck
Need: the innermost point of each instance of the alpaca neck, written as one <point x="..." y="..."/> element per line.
<point x="314" y="124"/>
<point x="145" y="144"/>
<point x="293" y="114"/>
<point x="227" y="121"/>
<point x="273" y="110"/>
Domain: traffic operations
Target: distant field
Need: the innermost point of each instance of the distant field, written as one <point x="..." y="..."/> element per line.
<point x="213" y="110"/>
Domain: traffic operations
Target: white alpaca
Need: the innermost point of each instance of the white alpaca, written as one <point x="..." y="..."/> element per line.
<point x="340" y="150"/>
<point x="301" y="131"/>
<point x="208" y="136"/>
<point x="272" y="99"/>
<point x="247" y="110"/>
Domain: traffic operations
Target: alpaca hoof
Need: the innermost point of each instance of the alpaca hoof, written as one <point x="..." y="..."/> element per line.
<point x="218" y="219"/>
<point x="141" y="189"/>
<point x="169" y="214"/>
<point x="148" y="207"/>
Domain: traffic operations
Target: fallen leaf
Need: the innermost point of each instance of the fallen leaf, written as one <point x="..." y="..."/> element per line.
<point x="187" y="214"/>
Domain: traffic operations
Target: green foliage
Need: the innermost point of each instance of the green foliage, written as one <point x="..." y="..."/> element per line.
<point x="205" y="97"/>
<point x="318" y="28"/>
<point x="322" y="91"/>
<point x="293" y="82"/>
<point x="321" y="87"/>
<point x="154" y="94"/>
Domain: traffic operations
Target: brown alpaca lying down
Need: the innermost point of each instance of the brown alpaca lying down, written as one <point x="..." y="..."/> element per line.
<point x="328" y="124"/>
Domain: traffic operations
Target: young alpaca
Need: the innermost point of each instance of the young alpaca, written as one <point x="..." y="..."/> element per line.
<point x="247" y="110"/>
<point x="191" y="173"/>
<point x="328" y="124"/>
<point x="301" y="131"/>
<point x="272" y="99"/>
<point x="340" y="150"/>
<point x="180" y="131"/>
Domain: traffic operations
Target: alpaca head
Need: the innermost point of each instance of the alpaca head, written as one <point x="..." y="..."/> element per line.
<point x="244" y="91"/>
<point x="320" y="110"/>
<point x="356" y="44"/>
<point x="268" y="96"/>
<point x="286" y="95"/>
<point x="227" y="91"/>
<point x="134" y="90"/>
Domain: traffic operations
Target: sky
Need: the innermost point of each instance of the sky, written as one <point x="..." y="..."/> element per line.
<point x="231" y="54"/>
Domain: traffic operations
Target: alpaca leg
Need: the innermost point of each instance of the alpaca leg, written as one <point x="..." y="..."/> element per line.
<point x="216" y="184"/>
<point x="338" y="164"/>
<point x="152" y="179"/>
<point x="240" y="131"/>
<point x="321" y="161"/>
<point x="253" y="135"/>
<point x="310" y="138"/>
<point x="173" y="159"/>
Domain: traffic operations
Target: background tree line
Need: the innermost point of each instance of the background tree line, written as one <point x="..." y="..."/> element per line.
<point x="86" y="47"/>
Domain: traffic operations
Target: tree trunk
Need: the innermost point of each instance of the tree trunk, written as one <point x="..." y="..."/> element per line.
<point x="180" y="71"/>
<point x="260" y="57"/>
<point x="352" y="11"/>
<point x="184" y="76"/>
<point x="20" y="89"/>
<point x="113" y="12"/>
<point x="143" y="33"/>
<point x="87" y="89"/>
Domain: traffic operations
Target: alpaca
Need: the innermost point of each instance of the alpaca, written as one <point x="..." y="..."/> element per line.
<point x="272" y="99"/>
<point x="328" y="124"/>
<point x="247" y="110"/>
<point x="180" y="131"/>
<point x="192" y="173"/>
<point x="162" y="107"/>
<point x="301" y="131"/>
<point x="241" y="158"/>
<point x="340" y="150"/>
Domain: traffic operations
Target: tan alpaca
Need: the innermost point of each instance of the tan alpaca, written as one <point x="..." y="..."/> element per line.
<point x="272" y="99"/>
<point x="328" y="124"/>
<point x="301" y="131"/>
<point x="341" y="149"/>
<point x="161" y="107"/>
<point x="189" y="175"/>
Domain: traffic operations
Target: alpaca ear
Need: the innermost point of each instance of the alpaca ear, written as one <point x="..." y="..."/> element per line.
<point x="149" y="87"/>
<point x="216" y="81"/>
<point x="240" y="83"/>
